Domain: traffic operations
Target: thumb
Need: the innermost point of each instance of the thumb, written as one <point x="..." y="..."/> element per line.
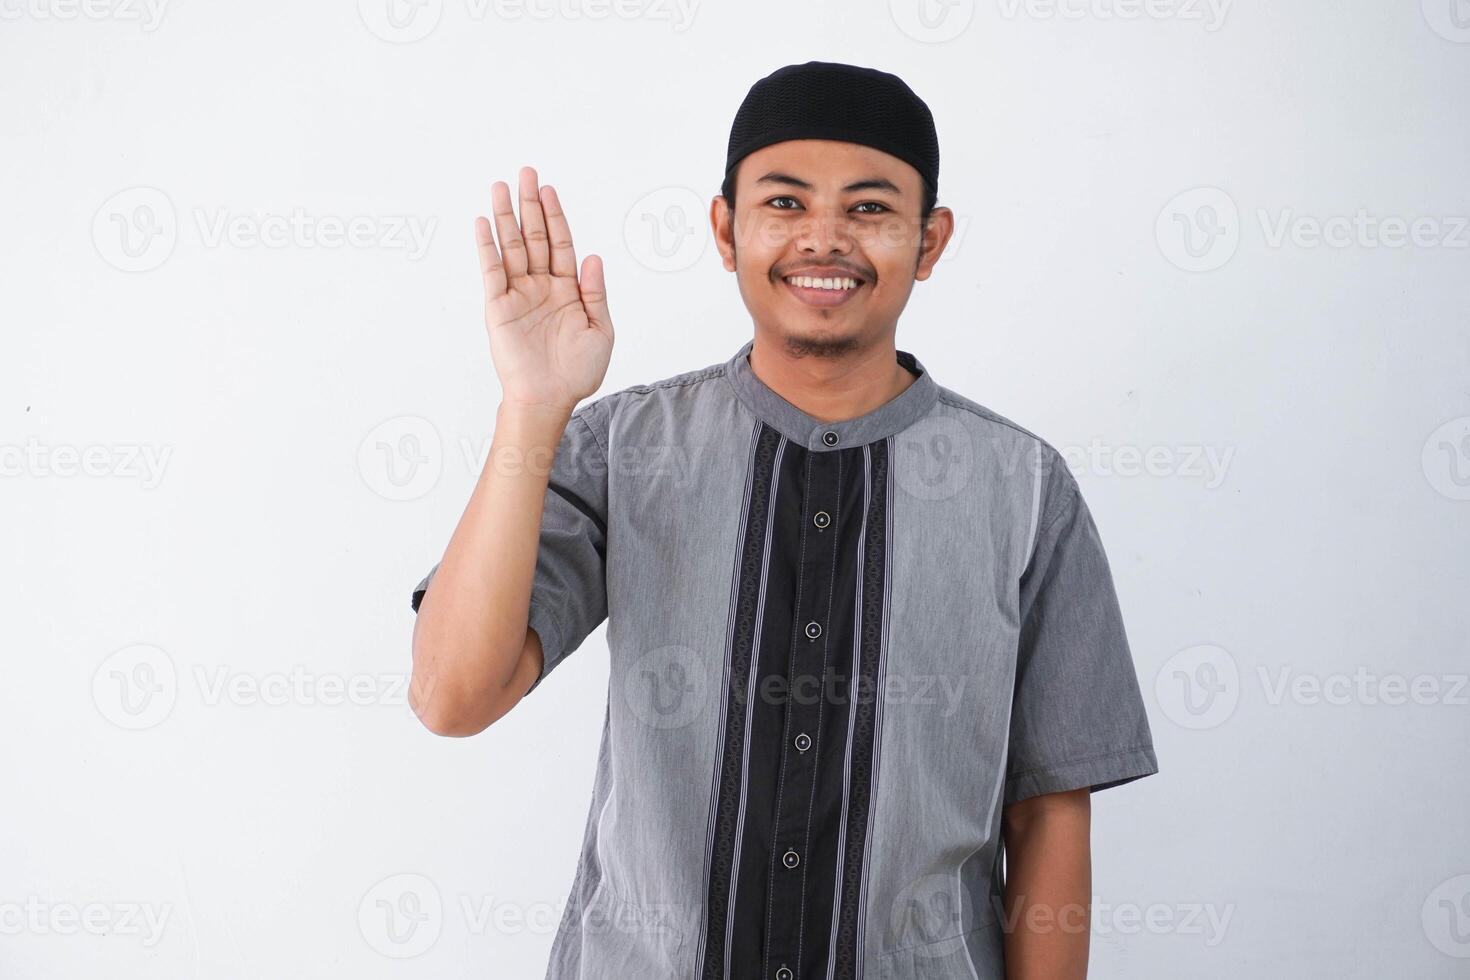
<point x="594" y="294"/>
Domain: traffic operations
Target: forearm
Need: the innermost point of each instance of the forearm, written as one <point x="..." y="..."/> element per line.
<point x="472" y="620"/>
<point x="1048" y="887"/>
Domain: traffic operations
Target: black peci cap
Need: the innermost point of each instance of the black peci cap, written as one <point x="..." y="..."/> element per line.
<point x="826" y="100"/>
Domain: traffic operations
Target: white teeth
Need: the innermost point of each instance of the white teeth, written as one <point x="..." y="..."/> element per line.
<point x="809" y="282"/>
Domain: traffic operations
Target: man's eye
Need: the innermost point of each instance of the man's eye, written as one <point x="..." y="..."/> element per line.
<point x="775" y="202"/>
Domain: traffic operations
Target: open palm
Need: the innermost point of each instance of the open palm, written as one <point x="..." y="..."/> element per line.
<point x="550" y="332"/>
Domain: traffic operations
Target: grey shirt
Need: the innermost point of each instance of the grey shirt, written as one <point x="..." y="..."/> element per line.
<point x="837" y="651"/>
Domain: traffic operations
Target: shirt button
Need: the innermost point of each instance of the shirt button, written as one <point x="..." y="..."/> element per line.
<point x="829" y="437"/>
<point x="783" y="974"/>
<point x="821" y="518"/>
<point x="803" y="742"/>
<point x="813" y="630"/>
<point x="791" y="859"/>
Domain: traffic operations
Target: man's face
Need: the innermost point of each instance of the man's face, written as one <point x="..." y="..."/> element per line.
<point x="827" y="209"/>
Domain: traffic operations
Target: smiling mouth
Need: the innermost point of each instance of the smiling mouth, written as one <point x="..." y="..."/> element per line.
<point x="823" y="293"/>
<point x="834" y="283"/>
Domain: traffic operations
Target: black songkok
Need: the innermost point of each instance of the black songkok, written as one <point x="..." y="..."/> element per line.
<point x="824" y="100"/>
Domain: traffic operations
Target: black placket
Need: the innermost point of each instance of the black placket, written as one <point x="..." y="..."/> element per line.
<point x="799" y="722"/>
<point x="794" y="865"/>
<point x="794" y="741"/>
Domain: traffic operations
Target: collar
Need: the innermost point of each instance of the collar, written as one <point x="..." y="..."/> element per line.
<point x="893" y="416"/>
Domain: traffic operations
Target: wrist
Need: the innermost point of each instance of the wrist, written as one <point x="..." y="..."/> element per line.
<point x="513" y="410"/>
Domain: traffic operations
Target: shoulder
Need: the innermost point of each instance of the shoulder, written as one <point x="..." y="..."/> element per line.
<point x="666" y="387"/>
<point x="659" y="395"/>
<point x="1010" y="450"/>
<point x="995" y="430"/>
<point x="984" y="418"/>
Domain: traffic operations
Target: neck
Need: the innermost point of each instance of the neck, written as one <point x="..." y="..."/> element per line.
<point x="828" y="385"/>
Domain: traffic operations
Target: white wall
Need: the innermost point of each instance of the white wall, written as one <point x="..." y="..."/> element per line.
<point x="254" y="539"/>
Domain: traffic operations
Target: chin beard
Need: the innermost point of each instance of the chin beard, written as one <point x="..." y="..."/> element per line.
<point x="819" y="345"/>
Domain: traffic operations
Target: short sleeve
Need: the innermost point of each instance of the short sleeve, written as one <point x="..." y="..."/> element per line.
<point x="569" y="588"/>
<point x="1077" y="715"/>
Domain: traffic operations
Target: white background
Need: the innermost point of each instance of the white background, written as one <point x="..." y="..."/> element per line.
<point x="287" y="392"/>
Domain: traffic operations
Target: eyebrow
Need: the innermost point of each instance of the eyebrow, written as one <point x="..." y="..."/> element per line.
<point x="871" y="184"/>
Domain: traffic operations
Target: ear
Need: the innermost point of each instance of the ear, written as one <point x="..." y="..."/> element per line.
<point x="936" y="235"/>
<point x="722" y="224"/>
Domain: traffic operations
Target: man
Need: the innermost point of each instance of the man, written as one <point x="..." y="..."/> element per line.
<point x="864" y="639"/>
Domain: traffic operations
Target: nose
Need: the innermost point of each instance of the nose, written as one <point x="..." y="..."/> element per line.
<point x="823" y="233"/>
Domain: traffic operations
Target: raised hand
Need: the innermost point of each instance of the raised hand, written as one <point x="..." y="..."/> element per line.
<point x="550" y="332"/>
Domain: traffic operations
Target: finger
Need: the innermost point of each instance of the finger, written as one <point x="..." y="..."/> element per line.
<point x="533" y="223"/>
<point x="492" y="272"/>
<point x="563" y="256"/>
<point x="512" y="249"/>
<point x="594" y="294"/>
